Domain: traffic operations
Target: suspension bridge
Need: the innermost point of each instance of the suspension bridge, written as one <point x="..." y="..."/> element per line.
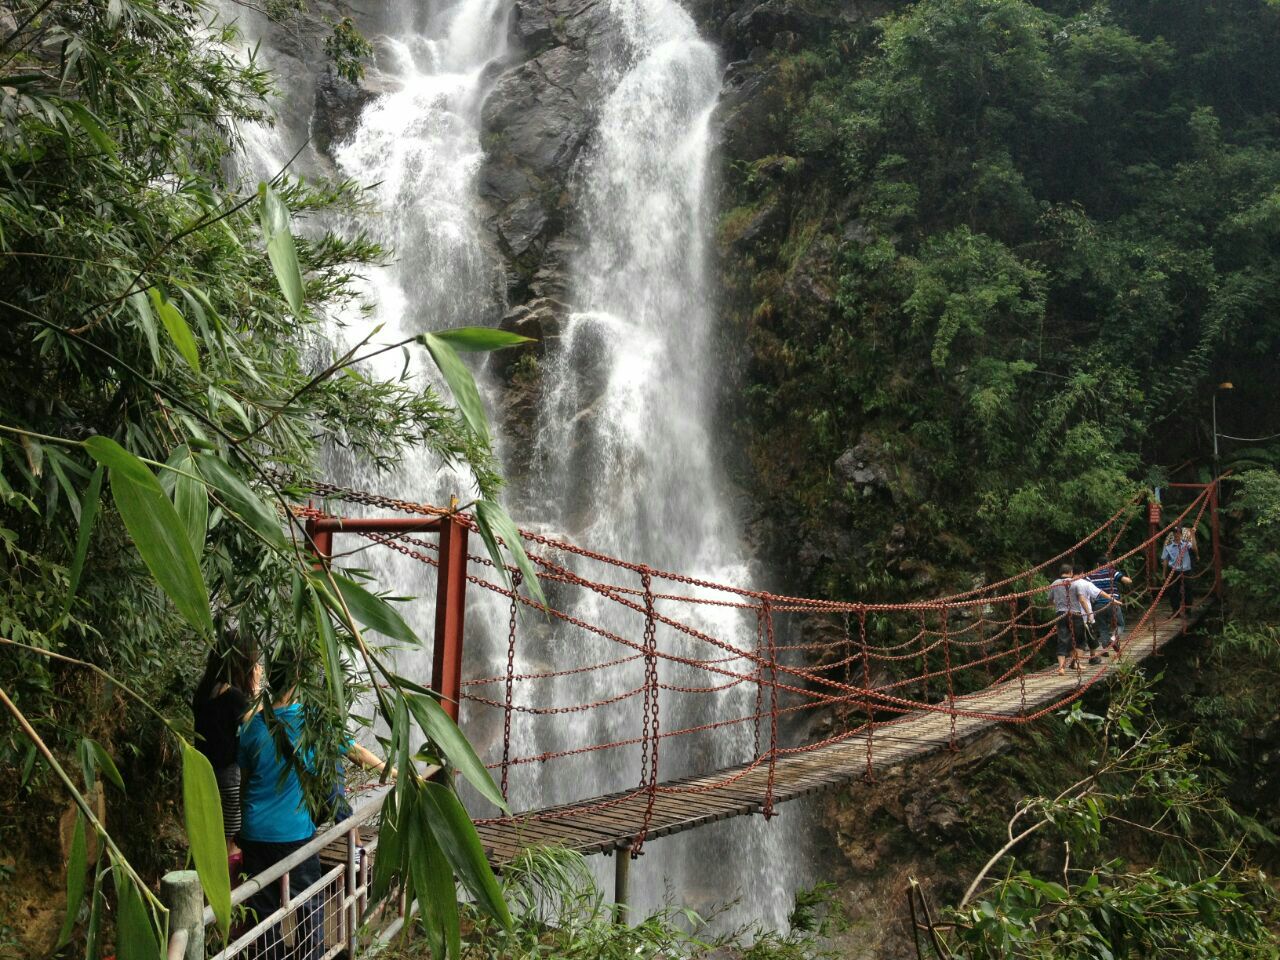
<point x="900" y="679"/>
<point x="711" y="701"/>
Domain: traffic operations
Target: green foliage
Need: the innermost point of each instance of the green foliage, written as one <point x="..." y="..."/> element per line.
<point x="347" y="48"/>
<point x="1254" y="571"/>
<point x="1118" y="912"/>
<point x="164" y="328"/>
<point x="1199" y="898"/>
<point x="558" y="911"/>
<point x="1023" y="241"/>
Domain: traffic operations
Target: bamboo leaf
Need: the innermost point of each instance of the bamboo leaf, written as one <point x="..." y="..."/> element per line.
<point x="176" y="326"/>
<point x="386" y="864"/>
<point x="240" y="499"/>
<point x="27" y="766"/>
<point x="202" y="812"/>
<point x="399" y="748"/>
<point x="94" y="926"/>
<point x="105" y="763"/>
<point x="59" y="463"/>
<point x="77" y="864"/>
<point x="147" y="320"/>
<point x="373" y="612"/>
<point x="88" y="763"/>
<point x="480" y="339"/>
<point x="457" y="837"/>
<point x="439" y="726"/>
<point x="329" y="653"/>
<point x="91" y="125"/>
<point x="156" y="530"/>
<point x="274" y="217"/>
<point x="135" y="936"/>
<point x="88" y="513"/>
<point x="495" y="525"/>
<point x="433" y="884"/>
<point x="190" y="498"/>
<point x="460" y="381"/>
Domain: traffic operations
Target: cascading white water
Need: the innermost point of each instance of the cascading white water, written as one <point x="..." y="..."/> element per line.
<point x="625" y="461"/>
<point x="627" y="457"/>
<point x="419" y="144"/>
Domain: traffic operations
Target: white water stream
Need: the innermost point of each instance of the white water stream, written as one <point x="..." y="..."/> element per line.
<point x="624" y="462"/>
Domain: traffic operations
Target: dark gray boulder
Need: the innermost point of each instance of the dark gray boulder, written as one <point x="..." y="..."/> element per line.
<point x="536" y="121"/>
<point x="338" y="106"/>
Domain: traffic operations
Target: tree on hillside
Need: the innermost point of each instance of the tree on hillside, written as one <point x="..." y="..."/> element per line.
<point x="1143" y="793"/>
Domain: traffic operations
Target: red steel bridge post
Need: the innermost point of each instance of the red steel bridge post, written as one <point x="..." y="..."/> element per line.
<point x="451" y="584"/>
<point x="451" y="605"/>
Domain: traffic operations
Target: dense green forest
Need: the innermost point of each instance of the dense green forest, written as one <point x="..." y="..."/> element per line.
<point x="985" y="265"/>
<point x="991" y="261"/>
<point x="1004" y="251"/>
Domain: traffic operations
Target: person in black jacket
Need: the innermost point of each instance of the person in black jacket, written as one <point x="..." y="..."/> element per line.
<point x="223" y="700"/>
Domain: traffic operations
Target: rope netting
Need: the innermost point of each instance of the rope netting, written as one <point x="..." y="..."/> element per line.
<point x="685" y="679"/>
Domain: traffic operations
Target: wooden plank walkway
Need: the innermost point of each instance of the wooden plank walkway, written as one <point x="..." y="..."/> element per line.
<point x="616" y="818"/>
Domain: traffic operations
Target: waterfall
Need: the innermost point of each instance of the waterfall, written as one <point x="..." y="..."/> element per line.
<point x="624" y="459"/>
<point x="627" y="461"/>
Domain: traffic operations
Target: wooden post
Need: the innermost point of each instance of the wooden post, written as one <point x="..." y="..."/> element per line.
<point x="621" y="884"/>
<point x="353" y="882"/>
<point x="180" y="892"/>
<point x="451" y="600"/>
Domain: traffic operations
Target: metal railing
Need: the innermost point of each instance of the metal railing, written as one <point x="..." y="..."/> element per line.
<point x="319" y="922"/>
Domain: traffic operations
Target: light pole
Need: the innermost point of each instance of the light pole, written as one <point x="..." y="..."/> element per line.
<point x="1226" y="385"/>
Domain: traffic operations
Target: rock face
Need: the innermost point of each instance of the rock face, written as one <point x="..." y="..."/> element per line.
<point x="535" y="124"/>
<point x="337" y="110"/>
<point x="864" y="465"/>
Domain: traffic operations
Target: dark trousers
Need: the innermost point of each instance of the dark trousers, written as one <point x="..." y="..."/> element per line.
<point x="1180" y="591"/>
<point x="308" y="933"/>
<point x="1072" y="635"/>
<point x="1106" y="620"/>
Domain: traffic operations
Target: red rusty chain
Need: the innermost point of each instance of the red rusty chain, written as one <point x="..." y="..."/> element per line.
<point x="970" y="631"/>
<point x="767" y="614"/>
<point x="649" y="748"/>
<point x="509" y="691"/>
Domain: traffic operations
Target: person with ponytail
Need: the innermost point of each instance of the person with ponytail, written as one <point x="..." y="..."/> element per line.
<point x="223" y="700"/>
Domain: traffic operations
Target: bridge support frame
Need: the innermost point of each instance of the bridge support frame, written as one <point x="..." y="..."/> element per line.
<point x="1155" y="519"/>
<point x="451" y="585"/>
<point x="622" y="885"/>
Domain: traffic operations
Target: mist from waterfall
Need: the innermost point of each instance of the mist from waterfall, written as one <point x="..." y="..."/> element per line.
<point x="624" y="460"/>
<point x="628" y="462"/>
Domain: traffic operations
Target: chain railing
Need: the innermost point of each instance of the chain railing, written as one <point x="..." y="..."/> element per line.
<point x="878" y="664"/>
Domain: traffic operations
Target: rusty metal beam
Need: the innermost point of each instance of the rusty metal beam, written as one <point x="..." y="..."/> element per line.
<point x="451" y="602"/>
<point x="385" y="525"/>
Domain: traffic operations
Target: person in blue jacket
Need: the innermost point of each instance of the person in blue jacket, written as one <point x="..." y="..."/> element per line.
<point x="275" y="818"/>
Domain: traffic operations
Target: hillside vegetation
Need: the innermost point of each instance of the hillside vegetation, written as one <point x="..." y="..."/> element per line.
<point x="990" y="259"/>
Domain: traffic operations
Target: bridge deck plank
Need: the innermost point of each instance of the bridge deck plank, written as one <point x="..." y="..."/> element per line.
<point x="694" y="801"/>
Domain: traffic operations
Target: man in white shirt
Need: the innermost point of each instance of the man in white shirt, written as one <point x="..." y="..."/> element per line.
<point x="1073" y="601"/>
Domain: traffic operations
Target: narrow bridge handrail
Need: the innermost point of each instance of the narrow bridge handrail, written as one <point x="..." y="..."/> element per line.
<point x="361" y="813"/>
